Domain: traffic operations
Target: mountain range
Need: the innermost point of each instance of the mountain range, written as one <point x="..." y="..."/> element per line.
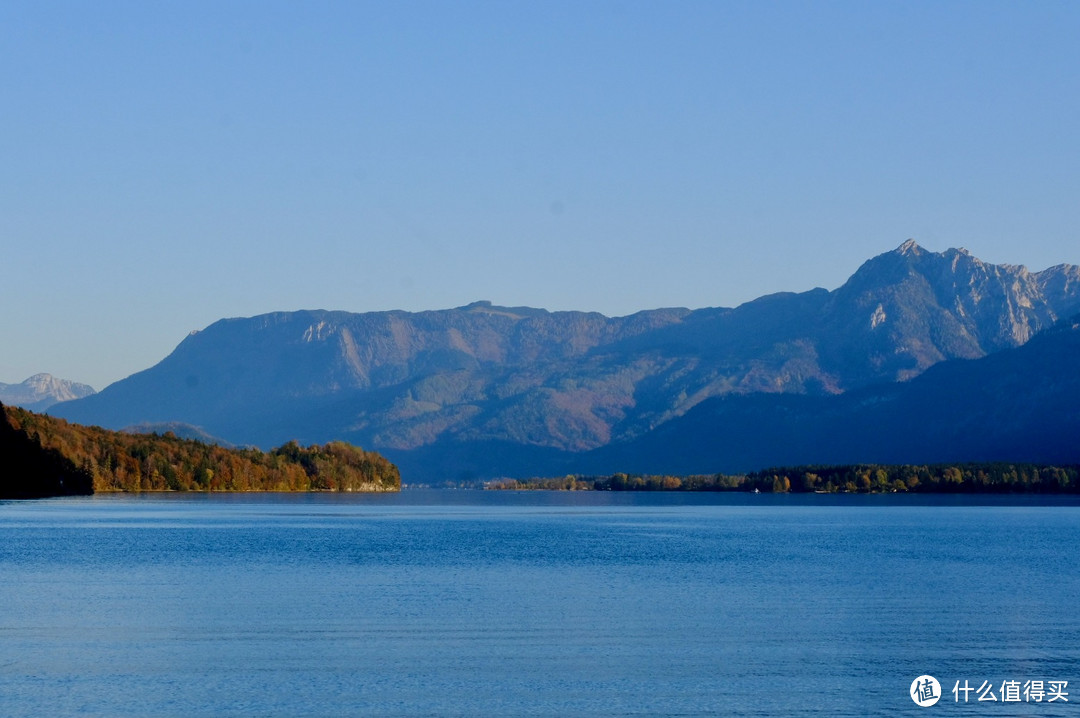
<point x="484" y="390"/>
<point x="41" y="391"/>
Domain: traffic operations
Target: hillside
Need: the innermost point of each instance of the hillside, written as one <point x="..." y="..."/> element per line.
<point x="43" y="456"/>
<point x="1017" y="405"/>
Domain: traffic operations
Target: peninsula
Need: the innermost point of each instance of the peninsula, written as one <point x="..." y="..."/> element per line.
<point x="44" y="456"/>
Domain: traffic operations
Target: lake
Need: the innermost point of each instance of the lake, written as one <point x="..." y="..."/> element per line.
<point x="466" y="603"/>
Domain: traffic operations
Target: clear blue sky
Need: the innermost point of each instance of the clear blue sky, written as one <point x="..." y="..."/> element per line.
<point x="163" y="165"/>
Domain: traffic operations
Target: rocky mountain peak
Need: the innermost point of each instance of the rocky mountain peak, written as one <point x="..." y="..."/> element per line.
<point x="952" y="304"/>
<point x="42" y="391"/>
<point x="910" y="248"/>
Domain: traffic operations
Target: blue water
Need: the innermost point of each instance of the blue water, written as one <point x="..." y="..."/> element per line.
<point x="464" y="603"/>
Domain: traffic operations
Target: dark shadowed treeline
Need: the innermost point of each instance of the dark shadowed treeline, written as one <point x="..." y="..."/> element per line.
<point x="45" y="456"/>
<point x="934" y="478"/>
<point x="858" y="478"/>
<point x="29" y="470"/>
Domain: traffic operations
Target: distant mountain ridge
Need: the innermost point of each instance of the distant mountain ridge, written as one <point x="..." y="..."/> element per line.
<point x="179" y="430"/>
<point x="41" y="391"/>
<point x="521" y="382"/>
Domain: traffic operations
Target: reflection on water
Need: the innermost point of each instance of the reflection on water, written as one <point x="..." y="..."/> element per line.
<point x="483" y="603"/>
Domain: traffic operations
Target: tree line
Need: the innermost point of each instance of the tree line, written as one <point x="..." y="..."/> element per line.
<point x="993" y="477"/>
<point x="45" y="456"/>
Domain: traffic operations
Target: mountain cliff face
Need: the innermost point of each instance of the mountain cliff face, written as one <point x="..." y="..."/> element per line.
<point x="41" y="391"/>
<point x="918" y="308"/>
<point x="450" y="382"/>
